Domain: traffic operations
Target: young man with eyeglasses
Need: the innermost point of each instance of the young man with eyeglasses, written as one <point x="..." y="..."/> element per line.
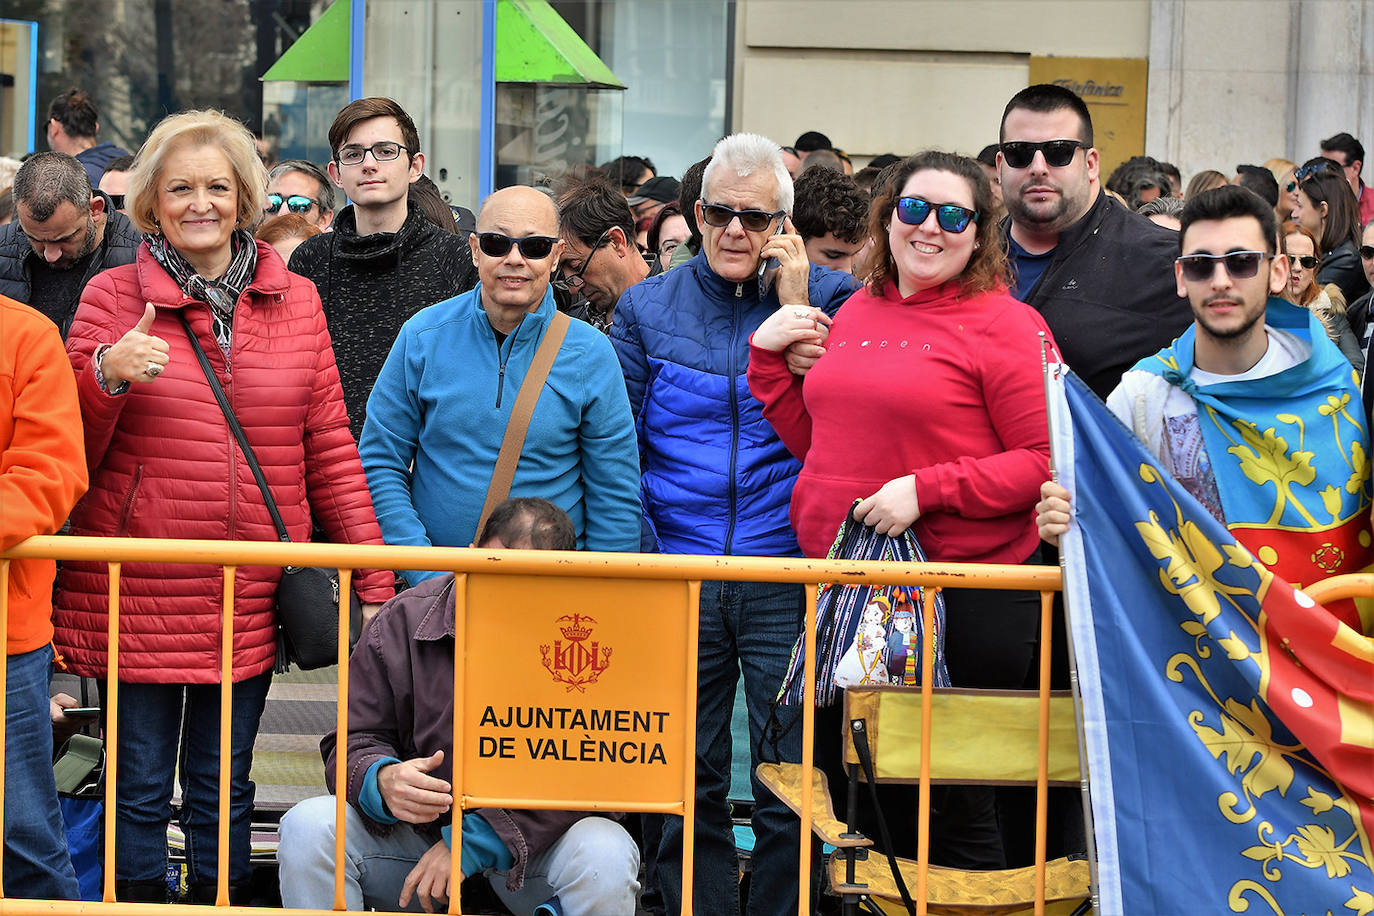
<point x="716" y="480"/>
<point x="383" y="261"/>
<point x="300" y="186"/>
<point x="1097" y="273"/>
<point x="1252" y="366"/>
<point x="443" y="400"/>
<point x="600" y="259"/>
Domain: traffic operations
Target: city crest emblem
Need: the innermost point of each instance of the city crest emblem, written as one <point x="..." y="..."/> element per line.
<point x="575" y="660"/>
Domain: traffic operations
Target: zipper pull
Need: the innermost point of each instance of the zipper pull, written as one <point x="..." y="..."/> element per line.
<point x="739" y="290"/>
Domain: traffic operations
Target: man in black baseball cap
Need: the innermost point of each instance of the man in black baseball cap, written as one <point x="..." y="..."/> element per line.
<point x="652" y="196"/>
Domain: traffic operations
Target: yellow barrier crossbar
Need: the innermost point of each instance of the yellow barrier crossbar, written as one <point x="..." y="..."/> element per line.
<point x="464" y="562"/>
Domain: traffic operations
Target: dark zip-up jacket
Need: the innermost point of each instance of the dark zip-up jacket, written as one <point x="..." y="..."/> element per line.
<point x="17" y="259"/>
<point x="371" y="284"/>
<point x="715" y="478"/>
<point x="1109" y="294"/>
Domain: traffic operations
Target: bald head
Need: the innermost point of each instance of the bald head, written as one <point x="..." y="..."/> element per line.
<point x="515" y="248"/>
<point x="518" y="202"/>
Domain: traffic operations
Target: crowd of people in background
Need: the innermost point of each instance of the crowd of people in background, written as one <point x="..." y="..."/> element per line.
<point x="717" y="340"/>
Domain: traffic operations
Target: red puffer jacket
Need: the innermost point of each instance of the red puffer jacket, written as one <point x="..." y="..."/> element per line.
<point x="164" y="464"/>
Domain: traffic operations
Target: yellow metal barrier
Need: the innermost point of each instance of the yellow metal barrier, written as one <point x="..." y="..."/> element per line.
<point x="469" y="564"/>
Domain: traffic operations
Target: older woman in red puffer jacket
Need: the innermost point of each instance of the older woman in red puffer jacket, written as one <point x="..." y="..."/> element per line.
<point x="164" y="464"/>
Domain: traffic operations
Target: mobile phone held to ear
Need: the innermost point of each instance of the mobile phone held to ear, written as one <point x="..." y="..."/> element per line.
<point x="768" y="269"/>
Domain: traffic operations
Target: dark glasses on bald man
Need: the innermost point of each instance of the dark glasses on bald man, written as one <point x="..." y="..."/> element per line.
<point x="952" y="218"/>
<point x="532" y="247"/>
<point x="1058" y="153"/>
<point x="1241" y="265"/>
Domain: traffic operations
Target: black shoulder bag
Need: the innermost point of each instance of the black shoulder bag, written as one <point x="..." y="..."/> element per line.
<point x="307" y="596"/>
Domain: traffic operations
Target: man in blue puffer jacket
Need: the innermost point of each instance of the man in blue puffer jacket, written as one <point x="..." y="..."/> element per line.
<point x="716" y="480"/>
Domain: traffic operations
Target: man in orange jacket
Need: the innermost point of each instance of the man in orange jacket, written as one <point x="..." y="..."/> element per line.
<point x="42" y="474"/>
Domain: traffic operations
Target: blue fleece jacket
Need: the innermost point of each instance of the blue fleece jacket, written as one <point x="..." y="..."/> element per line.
<point x="438" y="413"/>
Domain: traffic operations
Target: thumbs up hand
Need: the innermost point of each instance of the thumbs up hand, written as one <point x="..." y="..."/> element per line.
<point x="138" y="356"/>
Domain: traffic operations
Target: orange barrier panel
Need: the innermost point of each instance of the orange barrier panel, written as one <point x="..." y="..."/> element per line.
<point x="628" y="597"/>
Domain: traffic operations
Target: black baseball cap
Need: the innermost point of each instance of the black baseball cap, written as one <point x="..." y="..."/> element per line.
<point x="659" y="189"/>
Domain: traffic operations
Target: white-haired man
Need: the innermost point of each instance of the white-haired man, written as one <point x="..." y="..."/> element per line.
<point x="717" y="480"/>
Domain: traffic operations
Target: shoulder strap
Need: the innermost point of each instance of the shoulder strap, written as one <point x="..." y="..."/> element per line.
<point x="235" y="428"/>
<point x="519" y="422"/>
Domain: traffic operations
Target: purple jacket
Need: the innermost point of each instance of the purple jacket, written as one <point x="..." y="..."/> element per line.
<point x="410" y="642"/>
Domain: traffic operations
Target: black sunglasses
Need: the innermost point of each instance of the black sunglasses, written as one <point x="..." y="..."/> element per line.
<point x="1058" y="153"/>
<point x="719" y="215"/>
<point x="296" y="203"/>
<point x="532" y="247"/>
<point x="576" y="280"/>
<point x="950" y="217"/>
<point x="1310" y="261"/>
<point x="1241" y="265"/>
<point x="117" y="200"/>
<point x="1367" y="252"/>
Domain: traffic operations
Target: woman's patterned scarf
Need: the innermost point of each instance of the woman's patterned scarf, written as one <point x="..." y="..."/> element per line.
<point x="222" y="294"/>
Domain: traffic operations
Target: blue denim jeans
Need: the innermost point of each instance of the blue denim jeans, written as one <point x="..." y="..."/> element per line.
<point x="163" y="727"/>
<point x="37" y="865"/>
<point x="747" y="627"/>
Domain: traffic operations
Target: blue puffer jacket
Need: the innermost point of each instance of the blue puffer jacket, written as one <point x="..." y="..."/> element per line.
<point x="716" y="479"/>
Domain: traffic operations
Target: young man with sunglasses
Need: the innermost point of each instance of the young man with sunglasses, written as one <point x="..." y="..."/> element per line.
<point x="300" y="186"/>
<point x="441" y="405"/>
<point x="1251" y="367"/>
<point x="1098" y="273"/>
<point x="600" y="259"/>
<point x="718" y="481"/>
<point x="383" y="261"/>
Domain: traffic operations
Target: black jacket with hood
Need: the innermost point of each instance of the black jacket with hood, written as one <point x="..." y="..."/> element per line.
<point x="371" y="284"/>
<point x="1109" y="294"/>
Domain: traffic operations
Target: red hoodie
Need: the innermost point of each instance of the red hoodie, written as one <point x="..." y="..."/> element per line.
<point x="939" y="385"/>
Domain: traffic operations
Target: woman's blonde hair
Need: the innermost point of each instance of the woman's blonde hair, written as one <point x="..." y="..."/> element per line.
<point x="196" y="128"/>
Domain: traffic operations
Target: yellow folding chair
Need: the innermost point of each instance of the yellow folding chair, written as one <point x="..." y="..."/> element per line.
<point x="977" y="737"/>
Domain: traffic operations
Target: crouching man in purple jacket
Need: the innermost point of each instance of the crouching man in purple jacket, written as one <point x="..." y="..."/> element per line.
<point x="400" y="714"/>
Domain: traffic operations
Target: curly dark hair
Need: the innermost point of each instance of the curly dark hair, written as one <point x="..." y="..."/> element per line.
<point x="829" y="201"/>
<point x="987" y="268"/>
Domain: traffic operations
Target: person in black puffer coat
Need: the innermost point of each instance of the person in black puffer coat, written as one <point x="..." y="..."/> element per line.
<point x="50" y="185"/>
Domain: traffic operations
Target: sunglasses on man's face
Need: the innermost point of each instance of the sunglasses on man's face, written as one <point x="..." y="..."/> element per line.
<point x="952" y="218"/>
<point x="117" y="200"/>
<point x="532" y="247"/>
<point x="1058" y="153"/>
<point x="1367" y="252"/>
<point x="1306" y="261"/>
<point x="719" y="216"/>
<point x="1241" y="265"/>
<point x="296" y="203"/>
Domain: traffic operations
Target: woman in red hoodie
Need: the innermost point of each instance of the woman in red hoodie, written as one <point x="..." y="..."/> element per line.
<point x="928" y="405"/>
<point x="164" y="464"/>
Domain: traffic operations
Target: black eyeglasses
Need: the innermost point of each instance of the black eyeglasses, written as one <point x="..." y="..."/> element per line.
<point x="296" y="203"/>
<point x="1241" y="265"/>
<point x="719" y="215"/>
<point x="532" y="247"/>
<point x="952" y="218"/>
<point x="1367" y="252"/>
<point x="575" y="281"/>
<point x="1058" y="153"/>
<point x="381" y="152"/>
<point x="1309" y="262"/>
<point x="1316" y="168"/>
